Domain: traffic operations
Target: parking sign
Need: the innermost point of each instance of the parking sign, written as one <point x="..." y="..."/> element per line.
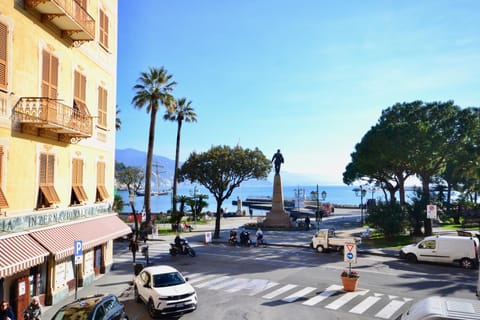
<point x="78" y="251"/>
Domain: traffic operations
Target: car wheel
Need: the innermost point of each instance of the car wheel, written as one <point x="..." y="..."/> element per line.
<point x="411" y="258"/>
<point x="151" y="309"/>
<point x="320" y="249"/>
<point x="467" y="263"/>
<point x="136" y="295"/>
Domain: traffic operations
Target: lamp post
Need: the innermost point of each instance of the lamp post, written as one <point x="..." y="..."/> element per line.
<point x="361" y="192"/>
<point x="131" y="197"/>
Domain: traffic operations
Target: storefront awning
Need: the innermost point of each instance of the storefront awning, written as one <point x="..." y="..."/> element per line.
<point x="18" y="253"/>
<point x="59" y="240"/>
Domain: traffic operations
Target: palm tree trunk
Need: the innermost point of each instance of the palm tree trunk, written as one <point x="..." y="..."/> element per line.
<point x="175" y="172"/>
<point x="148" y="169"/>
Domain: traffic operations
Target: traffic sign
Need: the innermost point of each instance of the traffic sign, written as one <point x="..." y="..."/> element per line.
<point x="350" y="252"/>
<point x="78" y="251"/>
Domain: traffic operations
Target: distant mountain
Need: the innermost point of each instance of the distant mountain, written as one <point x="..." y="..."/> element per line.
<point x="136" y="158"/>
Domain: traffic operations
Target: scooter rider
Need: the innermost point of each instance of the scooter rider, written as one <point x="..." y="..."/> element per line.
<point x="259" y="235"/>
<point x="180" y="243"/>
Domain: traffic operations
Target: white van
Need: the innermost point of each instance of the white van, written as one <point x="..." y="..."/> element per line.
<point x="444" y="249"/>
<point x="442" y="308"/>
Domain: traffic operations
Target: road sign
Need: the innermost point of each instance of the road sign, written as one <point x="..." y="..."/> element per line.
<point x="350" y="252"/>
<point x="432" y="211"/>
<point x="78" y="251"/>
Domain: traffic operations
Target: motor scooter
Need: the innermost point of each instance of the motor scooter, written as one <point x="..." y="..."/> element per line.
<point x="233" y="237"/>
<point x="181" y="248"/>
<point x="245" y="238"/>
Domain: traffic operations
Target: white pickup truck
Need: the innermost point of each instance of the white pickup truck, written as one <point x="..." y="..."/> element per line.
<point x="325" y="240"/>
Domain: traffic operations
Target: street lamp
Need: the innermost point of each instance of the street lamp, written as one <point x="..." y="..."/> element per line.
<point x="360" y="192"/>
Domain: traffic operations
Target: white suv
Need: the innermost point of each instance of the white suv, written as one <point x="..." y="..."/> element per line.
<point x="165" y="291"/>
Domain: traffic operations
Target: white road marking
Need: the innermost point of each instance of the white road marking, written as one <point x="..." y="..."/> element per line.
<point x="364" y="305"/>
<point x="322" y="296"/>
<point x="338" y="303"/>
<point x="202" y="278"/>
<point x="390" y="309"/>
<point x="265" y="287"/>
<point x="299" y="294"/>
<point x="279" y="291"/>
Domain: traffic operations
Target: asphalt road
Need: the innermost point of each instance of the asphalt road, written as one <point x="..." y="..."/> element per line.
<point x="284" y="282"/>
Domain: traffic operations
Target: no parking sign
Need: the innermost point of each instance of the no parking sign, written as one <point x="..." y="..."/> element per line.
<point x="350" y="253"/>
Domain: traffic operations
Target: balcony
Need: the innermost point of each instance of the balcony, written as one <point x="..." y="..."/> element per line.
<point x="67" y="15"/>
<point x="44" y="116"/>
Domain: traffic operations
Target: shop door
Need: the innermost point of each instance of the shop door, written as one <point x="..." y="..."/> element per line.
<point x="21" y="295"/>
<point x="97" y="260"/>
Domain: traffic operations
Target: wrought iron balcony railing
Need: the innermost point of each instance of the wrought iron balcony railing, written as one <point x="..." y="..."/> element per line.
<point x="67" y="15"/>
<point x="48" y="114"/>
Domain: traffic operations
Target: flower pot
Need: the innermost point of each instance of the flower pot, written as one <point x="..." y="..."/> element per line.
<point x="349" y="284"/>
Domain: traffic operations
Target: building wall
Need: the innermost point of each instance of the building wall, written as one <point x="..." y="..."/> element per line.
<point x="28" y="36"/>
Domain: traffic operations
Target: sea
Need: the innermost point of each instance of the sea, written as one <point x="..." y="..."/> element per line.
<point x="337" y="195"/>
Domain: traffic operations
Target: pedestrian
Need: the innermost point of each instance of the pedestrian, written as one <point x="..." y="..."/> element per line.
<point x="250" y="210"/>
<point x="33" y="310"/>
<point x="6" y="312"/>
<point x="134" y="247"/>
<point x="307" y="223"/>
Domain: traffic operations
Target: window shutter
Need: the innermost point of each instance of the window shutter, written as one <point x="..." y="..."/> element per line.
<point x="3" y="56"/>
<point x="3" y="199"/>
<point x="102" y="107"/>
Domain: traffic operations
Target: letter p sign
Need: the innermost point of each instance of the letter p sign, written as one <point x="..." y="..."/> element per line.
<point x="78" y="251"/>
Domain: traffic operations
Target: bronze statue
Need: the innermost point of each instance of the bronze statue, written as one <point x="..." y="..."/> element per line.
<point x="277" y="160"/>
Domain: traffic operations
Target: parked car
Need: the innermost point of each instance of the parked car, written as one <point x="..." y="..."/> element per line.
<point x="444" y="249"/>
<point x="165" y="291"/>
<point x="442" y="308"/>
<point x="97" y="307"/>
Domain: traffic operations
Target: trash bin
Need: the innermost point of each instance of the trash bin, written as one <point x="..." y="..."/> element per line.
<point x="137" y="267"/>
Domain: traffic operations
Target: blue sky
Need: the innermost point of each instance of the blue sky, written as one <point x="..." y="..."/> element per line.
<point x="309" y="77"/>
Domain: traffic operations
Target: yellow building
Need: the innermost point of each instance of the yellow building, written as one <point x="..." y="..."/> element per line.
<point x="58" y="62"/>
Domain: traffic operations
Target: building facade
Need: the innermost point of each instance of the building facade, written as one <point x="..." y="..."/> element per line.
<point x="58" y="62"/>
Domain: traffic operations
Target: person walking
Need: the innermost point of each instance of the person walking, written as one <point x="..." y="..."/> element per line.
<point x="6" y="312"/>
<point x="33" y="310"/>
<point x="259" y="235"/>
<point x="134" y="247"/>
<point x="307" y="223"/>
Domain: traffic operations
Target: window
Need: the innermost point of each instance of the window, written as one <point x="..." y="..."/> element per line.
<point x="79" y="92"/>
<point x="103" y="29"/>
<point x="102" y="193"/>
<point x="3" y="199"/>
<point x="3" y="56"/>
<point x="78" y="194"/>
<point x="49" y="75"/>
<point x="102" y="107"/>
<point x="47" y="195"/>
<point x="427" y="244"/>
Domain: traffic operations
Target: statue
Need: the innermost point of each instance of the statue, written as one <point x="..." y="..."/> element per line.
<point x="277" y="160"/>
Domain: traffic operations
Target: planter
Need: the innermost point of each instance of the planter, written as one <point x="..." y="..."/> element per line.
<point x="349" y="284"/>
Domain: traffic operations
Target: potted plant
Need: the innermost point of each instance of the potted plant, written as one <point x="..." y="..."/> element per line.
<point x="349" y="280"/>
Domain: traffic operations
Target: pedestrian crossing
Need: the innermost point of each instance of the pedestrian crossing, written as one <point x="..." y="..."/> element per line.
<point x="360" y="302"/>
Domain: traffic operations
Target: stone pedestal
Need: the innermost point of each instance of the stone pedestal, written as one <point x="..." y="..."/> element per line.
<point x="277" y="217"/>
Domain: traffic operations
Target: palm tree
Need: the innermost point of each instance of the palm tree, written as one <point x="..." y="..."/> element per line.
<point x="182" y="111"/>
<point x="152" y="90"/>
<point x="118" y="121"/>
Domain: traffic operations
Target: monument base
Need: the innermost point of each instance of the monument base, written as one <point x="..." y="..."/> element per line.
<point x="277" y="217"/>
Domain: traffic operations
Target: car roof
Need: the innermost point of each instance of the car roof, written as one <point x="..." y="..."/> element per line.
<point x="444" y="308"/>
<point x="159" y="269"/>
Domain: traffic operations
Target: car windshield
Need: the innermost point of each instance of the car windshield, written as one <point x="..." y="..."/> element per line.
<point x="167" y="279"/>
<point x="74" y="313"/>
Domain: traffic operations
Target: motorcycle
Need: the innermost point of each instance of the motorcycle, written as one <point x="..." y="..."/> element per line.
<point x="182" y="248"/>
<point x="233" y="238"/>
<point x="245" y="238"/>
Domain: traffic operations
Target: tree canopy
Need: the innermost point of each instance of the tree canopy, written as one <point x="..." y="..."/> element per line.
<point x="222" y="169"/>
